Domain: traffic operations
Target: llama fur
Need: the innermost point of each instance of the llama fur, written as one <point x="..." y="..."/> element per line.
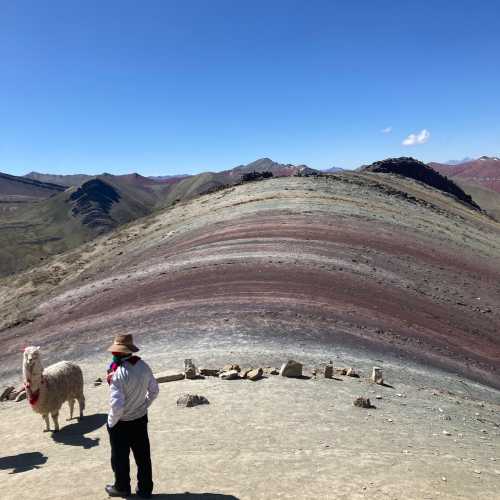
<point x="47" y="389"/>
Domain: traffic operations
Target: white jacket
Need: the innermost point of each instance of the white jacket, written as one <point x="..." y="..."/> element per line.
<point x="133" y="389"/>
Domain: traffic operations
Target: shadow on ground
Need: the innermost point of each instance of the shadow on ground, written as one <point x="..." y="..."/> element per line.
<point x="23" y="462"/>
<point x="74" y="434"/>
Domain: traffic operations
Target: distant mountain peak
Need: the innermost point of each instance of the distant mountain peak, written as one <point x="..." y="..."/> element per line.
<point x="488" y="158"/>
<point x="459" y="162"/>
<point x="332" y="170"/>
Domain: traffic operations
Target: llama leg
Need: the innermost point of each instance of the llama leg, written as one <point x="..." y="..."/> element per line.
<point x="47" y="423"/>
<point x="81" y="404"/>
<point x="71" y="403"/>
<point x="55" y="418"/>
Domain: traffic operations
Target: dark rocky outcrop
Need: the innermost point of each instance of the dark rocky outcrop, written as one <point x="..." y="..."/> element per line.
<point x="414" y="169"/>
<point x="92" y="201"/>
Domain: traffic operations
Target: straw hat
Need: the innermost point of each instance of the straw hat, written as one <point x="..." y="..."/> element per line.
<point x="123" y="344"/>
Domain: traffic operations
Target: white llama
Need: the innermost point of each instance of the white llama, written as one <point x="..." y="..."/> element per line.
<point x="47" y="389"/>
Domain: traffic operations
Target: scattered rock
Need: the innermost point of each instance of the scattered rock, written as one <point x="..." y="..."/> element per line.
<point x="6" y="393"/>
<point x="341" y="371"/>
<point x="209" y="372"/>
<point x="447" y="433"/>
<point x="378" y="396"/>
<point x="351" y="372"/>
<point x="189" y="369"/>
<point x="13" y="394"/>
<point x="97" y="382"/>
<point x="329" y="371"/>
<point x="255" y="374"/>
<point x="377" y="376"/>
<point x="168" y="376"/>
<point x="245" y="372"/>
<point x="231" y="367"/>
<point x="291" y="369"/>
<point x="21" y="396"/>
<point x="229" y="375"/>
<point x="363" y="403"/>
<point x="189" y="400"/>
<point x="271" y="371"/>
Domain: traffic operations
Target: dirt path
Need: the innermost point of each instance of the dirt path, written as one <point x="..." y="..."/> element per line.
<point x="276" y="438"/>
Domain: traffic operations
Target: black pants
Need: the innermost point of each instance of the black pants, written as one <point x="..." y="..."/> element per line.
<point x="126" y="435"/>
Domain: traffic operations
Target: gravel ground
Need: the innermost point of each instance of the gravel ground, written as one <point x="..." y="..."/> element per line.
<point x="278" y="437"/>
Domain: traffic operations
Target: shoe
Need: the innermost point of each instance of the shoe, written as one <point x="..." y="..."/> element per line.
<point x="141" y="494"/>
<point x="112" y="491"/>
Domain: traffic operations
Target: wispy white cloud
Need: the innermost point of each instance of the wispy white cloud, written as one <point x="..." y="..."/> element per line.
<point x="386" y="130"/>
<point x="419" y="138"/>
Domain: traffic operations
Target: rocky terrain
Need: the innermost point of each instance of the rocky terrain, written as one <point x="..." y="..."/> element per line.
<point x="427" y="435"/>
<point x="414" y="169"/>
<point x="369" y="259"/>
<point x="55" y="218"/>
<point x="360" y="269"/>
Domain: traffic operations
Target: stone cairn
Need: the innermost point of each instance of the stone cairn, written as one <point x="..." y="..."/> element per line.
<point x="377" y="376"/>
<point x="290" y="369"/>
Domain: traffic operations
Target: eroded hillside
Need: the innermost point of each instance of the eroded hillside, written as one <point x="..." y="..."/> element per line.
<point x="370" y="260"/>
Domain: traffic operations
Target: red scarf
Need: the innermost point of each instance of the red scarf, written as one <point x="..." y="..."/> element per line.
<point x="115" y="365"/>
<point x="32" y="396"/>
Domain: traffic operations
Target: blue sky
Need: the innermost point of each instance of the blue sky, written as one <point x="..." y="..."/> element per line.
<point x="162" y="87"/>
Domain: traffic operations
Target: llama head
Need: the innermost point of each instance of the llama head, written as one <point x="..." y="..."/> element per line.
<point x="32" y="362"/>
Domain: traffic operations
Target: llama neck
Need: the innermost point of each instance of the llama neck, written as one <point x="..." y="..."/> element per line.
<point x="34" y="379"/>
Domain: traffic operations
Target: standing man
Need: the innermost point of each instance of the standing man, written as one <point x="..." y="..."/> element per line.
<point x="133" y="389"/>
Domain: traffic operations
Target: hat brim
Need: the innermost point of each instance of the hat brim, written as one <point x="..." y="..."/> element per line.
<point x="125" y="349"/>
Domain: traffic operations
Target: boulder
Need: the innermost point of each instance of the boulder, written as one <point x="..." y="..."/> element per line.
<point x="362" y="403"/>
<point x="20" y="396"/>
<point x="229" y="375"/>
<point x="228" y="368"/>
<point x="209" y="372"/>
<point x="189" y="369"/>
<point x="377" y="376"/>
<point x="168" y="376"/>
<point x="341" y="371"/>
<point x="329" y="371"/>
<point x="351" y="372"/>
<point x="255" y="374"/>
<point x="13" y="394"/>
<point x="189" y="400"/>
<point x="245" y="372"/>
<point x="291" y="369"/>
<point x="6" y="393"/>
